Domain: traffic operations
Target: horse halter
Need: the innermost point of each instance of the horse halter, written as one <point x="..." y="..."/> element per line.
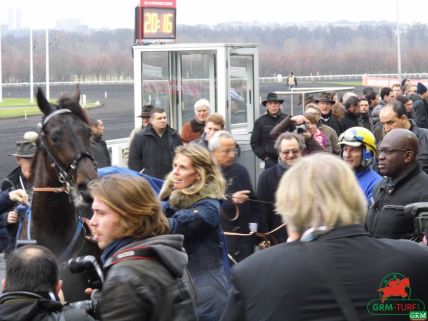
<point x="65" y="174"/>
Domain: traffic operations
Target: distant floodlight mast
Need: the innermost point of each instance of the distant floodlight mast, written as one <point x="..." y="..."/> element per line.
<point x="398" y="40"/>
<point x="31" y="67"/>
<point x="47" y="65"/>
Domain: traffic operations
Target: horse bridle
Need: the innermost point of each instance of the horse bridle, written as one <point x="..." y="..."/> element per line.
<point x="65" y="174"/>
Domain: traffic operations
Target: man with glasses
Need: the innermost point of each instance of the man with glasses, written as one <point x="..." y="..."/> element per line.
<point x="404" y="183"/>
<point x="290" y="148"/>
<point x="240" y="212"/>
<point x="394" y="116"/>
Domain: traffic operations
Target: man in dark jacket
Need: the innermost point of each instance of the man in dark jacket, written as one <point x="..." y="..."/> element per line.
<point x="405" y="183"/>
<point x="394" y="116"/>
<point x="352" y="113"/>
<point x="420" y="105"/>
<point x="18" y="178"/>
<point x="290" y="148"/>
<point x="386" y="97"/>
<point x="261" y="141"/>
<point x="145" y="266"/>
<point x="31" y="288"/>
<point x="325" y="103"/>
<point x="99" y="148"/>
<point x="152" y="149"/>
<point x="239" y="214"/>
<point x="296" y="281"/>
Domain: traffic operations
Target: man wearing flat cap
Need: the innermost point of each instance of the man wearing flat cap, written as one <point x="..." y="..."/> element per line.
<point x="325" y="102"/>
<point x="262" y="143"/>
<point x="18" y="179"/>
<point x="145" y="120"/>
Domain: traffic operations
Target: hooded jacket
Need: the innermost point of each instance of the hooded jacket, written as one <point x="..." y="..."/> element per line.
<point x="155" y="287"/>
<point x="27" y="306"/>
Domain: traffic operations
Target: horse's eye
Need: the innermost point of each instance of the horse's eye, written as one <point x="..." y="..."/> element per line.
<point x="56" y="137"/>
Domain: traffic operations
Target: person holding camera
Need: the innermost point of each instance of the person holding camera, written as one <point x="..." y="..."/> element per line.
<point x="145" y="267"/>
<point x="301" y="125"/>
<point x="31" y="289"/>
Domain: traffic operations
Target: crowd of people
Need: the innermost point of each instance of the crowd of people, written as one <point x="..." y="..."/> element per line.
<point x="315" y="240"/>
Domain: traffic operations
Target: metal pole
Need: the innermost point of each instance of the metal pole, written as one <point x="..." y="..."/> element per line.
<point x="47" y="65"/>
<point x="31" y="67"/>
<point x="398" y="40"/>
<point x="1" y="79"/>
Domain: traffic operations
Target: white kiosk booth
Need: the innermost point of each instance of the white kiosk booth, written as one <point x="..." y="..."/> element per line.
<point x="175" y="76"/>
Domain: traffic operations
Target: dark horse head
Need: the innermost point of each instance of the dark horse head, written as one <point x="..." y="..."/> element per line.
<point x="64" y="147"/>
<point x="61" y="169"/>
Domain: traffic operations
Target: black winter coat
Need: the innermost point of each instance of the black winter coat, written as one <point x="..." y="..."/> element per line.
<point x="266" y="189"/>
<point x="153" y="153"/>
<point x="154" y="288"/>
<point x="420" y="108"/>
<point x="350" y="120"/>
<point x="238" y="179"/>
<point x="285" y="282"/>
<point x="8" y="231"/>
<point x="422" y="135"/>
<point x="100" y="151"/>
<point x="26" y="306"/>
<point x="386" y="216"/>
<point x="262" y="143"/>
<point x="331" y="121"/>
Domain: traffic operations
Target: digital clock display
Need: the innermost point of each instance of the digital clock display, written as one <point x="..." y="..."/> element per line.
<point x="158" y="23"/>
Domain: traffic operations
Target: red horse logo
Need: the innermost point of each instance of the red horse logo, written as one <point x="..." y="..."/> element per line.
<point x="395" y="288"/>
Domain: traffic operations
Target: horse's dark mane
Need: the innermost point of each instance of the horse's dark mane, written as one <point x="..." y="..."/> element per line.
<point x="67" y="102"/>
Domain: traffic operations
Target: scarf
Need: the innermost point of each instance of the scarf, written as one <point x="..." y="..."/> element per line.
<point x="186" y="197"/>
<point x="114" y="247"/>
<point x="197" y="126"/>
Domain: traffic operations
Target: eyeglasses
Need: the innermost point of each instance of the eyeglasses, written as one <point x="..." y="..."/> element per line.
<point x="290" y="151"/>
<point x="228" y="151"/>
<point x="390" y="151"/>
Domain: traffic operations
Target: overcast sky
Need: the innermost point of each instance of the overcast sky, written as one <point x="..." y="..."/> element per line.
<point x="120" y="13"/>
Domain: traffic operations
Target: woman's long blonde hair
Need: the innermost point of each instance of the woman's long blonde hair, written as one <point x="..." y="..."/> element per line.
<point x="205" y="166"/>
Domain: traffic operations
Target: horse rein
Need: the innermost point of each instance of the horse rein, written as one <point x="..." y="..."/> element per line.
<point x="64" y="174"/>
<point x="258" y="234"/>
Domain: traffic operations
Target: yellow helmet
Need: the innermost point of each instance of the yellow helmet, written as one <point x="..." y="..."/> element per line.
<point x="360" y="136"/>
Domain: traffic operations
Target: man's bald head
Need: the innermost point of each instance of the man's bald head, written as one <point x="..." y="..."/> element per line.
<point x="31" y="268"/>
<point x="403" y="139"/>
<point x="397" y="152"/>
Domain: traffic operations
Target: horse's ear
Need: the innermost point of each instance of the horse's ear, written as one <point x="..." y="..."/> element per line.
<point x="76" y="96"/>
<point x="43" y="103"/>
